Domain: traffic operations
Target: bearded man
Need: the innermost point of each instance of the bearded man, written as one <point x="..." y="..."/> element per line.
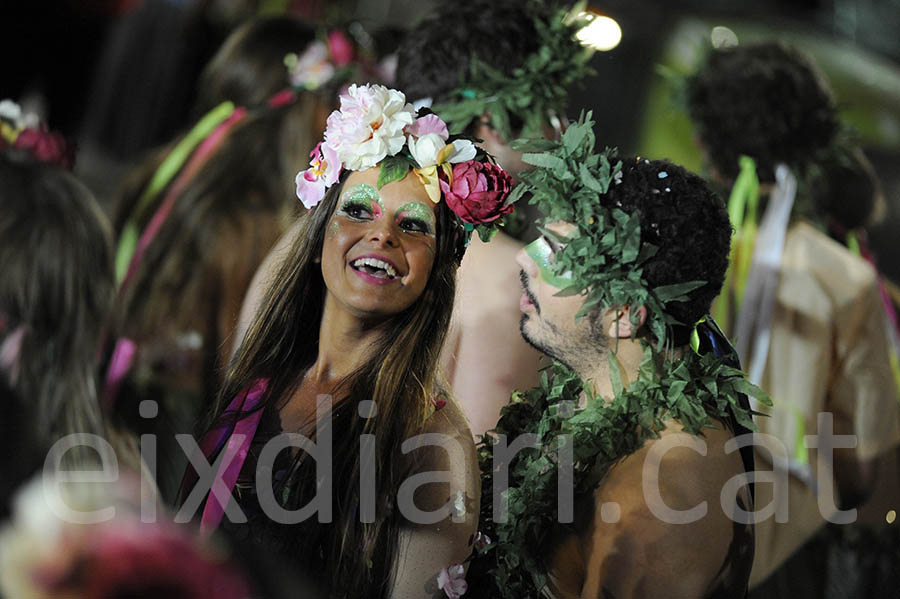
<point x="639" y="413"/>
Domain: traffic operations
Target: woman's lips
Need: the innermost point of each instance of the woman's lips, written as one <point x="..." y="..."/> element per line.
<point x="373" y="279"/>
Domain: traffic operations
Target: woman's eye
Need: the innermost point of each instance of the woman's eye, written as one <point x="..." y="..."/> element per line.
<point x="356" y="211"/>
<point x="414" y="226"/>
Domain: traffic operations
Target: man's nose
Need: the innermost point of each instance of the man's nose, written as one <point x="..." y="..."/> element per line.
<point x="527" y="264"/>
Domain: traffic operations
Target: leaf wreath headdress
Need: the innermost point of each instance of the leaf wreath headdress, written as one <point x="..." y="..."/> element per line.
<point x="604" y="256"/>
<point x="534" y="91"/>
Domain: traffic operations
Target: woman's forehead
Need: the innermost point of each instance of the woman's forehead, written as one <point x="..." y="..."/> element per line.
<point x="396" y="193"/>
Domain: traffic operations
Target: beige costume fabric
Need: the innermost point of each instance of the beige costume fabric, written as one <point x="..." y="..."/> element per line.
<point x="828" y="353"/>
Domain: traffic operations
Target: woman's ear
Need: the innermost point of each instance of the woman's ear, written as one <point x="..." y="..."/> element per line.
<point x="621" y="326"/>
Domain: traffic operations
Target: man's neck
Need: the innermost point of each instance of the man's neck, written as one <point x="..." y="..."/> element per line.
<point x="627" y="358"/>
<point x="627" y="355"/>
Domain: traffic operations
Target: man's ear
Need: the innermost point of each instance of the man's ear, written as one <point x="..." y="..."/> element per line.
<point x="620" y="325"/>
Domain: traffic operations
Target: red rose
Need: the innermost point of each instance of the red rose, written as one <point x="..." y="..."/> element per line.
<point x="478" y="192"/>
<point x="46" y="146"/>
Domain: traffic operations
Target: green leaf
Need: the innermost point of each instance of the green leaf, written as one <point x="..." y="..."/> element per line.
<point x="533" y="145"/>
<point x="393" y="168"/>
<point x="545" y="160"/>
<point x="486" y="232"/>
<point x="588" y="180"/>
<point x="676" y="292"/>
<point x="516" y="194"/>
<point x="574" y="135"/>
<point x="615" y="376"/>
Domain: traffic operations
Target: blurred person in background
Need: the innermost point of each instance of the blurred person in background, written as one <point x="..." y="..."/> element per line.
<point x="55" y="295"/>
<point x="805" y="311"/>
<point x="486" y="79"/>
<point x="192" y="225"/>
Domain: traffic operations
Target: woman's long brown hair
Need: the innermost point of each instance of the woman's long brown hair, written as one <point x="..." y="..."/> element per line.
<point x="399" y="375"/>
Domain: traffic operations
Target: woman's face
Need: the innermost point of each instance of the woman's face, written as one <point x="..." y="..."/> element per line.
<point x="379" y="244"/>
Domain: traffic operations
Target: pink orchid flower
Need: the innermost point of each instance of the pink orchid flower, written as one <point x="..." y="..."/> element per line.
<point x="452" y="581"/>
<point x="324" y="171"/>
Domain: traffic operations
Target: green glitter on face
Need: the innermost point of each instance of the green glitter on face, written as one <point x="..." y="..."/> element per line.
<point x="365" y="196"/>
<point x="539" y="251"/>
<point x="420" y="216"/>
<point x="334" y="228"/>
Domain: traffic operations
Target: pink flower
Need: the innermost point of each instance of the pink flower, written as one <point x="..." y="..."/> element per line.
<point x="312" y="69"/>
<point x="477" y="192"/>
<point x="481" y="540"/>
<point x="340" y="48"/>
<point x="430" y="123"/>
<point x="324" y="171"/>
<point x="46" y="146"/>
<point x="452" y="581"/>
<point x="128" y="560"/>
<point x="369" y="125"/>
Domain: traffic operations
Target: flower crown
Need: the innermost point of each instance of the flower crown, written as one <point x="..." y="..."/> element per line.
<point x="26" y="133"/>
<point x="535" y="90"/>
<point x="376" y="125"/>
<point x="604" y="256"/>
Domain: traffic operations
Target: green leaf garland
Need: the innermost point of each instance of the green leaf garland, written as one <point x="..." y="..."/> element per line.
<point x="695" y="390"/>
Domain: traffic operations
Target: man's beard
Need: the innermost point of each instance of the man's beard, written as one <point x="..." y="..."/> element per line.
<point x="577" y="352"/>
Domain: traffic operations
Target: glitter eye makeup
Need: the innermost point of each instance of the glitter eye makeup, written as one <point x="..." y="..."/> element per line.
<point x="416" y="217"/>
<point x="362" y="197"/>
<point x="539" y="251"/>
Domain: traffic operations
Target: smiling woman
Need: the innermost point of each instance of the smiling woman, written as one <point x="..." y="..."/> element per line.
<point x="348" y="340"/>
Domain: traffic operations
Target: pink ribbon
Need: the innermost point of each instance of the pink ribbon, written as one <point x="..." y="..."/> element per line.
<point x="198" y="159"/>
<point x="119" y="365"/>
<point x="236" y="448"/>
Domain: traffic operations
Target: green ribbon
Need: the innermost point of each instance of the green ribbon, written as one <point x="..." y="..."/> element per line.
<point x="743" y="204"/>
<point x="128" y="240"/>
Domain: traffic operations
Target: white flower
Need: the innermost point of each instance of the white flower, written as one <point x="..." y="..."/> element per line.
<point x="369" y="125"/>
<point x="452" y="581"/>
<point x="313" y="69"/>
<point x="430" y="150"/>
<point x="10" y="111"/>
<point x="463" y="151"/>
<point x="425" y="149"/>
<point x="33" y="537"/>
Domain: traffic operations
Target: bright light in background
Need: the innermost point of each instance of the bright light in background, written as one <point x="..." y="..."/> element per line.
<point x="602" y="33"/>
<point x="723" y="37"/>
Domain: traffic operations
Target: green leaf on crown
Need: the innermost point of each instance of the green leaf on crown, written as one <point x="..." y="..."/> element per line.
<point x="394" y="168"/>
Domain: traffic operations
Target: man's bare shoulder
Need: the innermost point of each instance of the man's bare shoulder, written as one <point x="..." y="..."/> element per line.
<point x="659" y="529"/>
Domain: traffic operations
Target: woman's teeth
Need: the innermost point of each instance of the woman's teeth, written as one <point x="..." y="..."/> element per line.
<point x="374" y="267"/>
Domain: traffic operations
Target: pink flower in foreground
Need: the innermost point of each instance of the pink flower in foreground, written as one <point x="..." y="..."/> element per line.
<point x="130" y="561"/>
<point x="324" y="171"/>
<point x="478" y="191"/>
<point x="452" y="581"/>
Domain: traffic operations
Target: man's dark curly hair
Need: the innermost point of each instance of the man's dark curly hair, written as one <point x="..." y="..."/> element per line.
<point x="687" y="221"/>
<point x="765" y="100"/>
<point x="435" y="57"/>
